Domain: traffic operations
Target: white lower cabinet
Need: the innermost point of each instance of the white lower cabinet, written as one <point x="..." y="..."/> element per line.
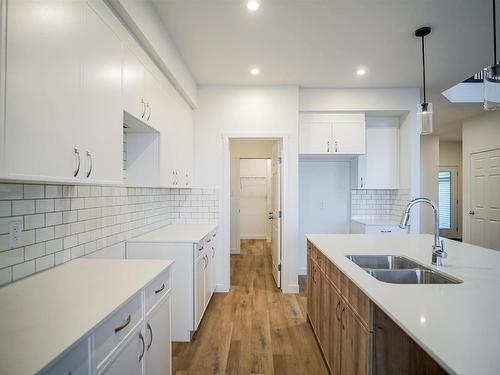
<point x="363" y="228"/>
<point x="194" y="269"/>
<point x="158" y="342"/>
<point x="130" y="358"/>
<point x="76" y="362"/>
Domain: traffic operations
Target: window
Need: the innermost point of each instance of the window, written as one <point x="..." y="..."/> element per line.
<point x="445" y="197"/>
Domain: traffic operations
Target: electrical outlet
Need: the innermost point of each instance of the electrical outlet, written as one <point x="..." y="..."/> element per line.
<point x="15" y="229"/>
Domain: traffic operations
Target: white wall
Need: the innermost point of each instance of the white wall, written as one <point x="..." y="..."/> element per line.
<point x="480" y="133"/>
<point x="450" y="155"/>
<point x="144" y="22"/>
<point x="430" y="181"/>
<point x="324" y="201"/>
<point x="251" y="111"/>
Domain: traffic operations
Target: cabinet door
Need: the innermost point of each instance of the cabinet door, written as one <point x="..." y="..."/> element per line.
<point x="129" y="360"/>
<point x="379" y="168"/>
<point x="324" y="314"/>
<point x="133" y="85"/>
<point x="103" y="113"/>
<point x="315" y="137"/>
<point x="315" y="295"/>
<point x="355" y="344"/>
<point x="208" y="278"/>
<point x="348" y="137"/>
<point x="154" y="101"/>
<point x="158" y="343"/>
<point x="335" y="329"/>
<point x="43" y="89"/>
<point x="199" y="291"/>
<point x="309" y="283"/>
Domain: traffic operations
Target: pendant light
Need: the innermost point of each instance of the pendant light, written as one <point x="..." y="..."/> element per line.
<point x="491" y="81"/>
<point x="424" y="112"/>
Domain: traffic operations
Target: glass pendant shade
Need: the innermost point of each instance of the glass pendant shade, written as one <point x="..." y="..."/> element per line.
<point x="491" y="85"/>
<point x="424" y="115"/>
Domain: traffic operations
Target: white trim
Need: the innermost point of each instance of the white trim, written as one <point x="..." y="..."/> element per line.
<point x="253" y="237"/>
<point x="287" y="271"/>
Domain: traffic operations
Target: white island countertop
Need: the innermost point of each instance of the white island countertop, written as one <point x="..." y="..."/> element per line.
<point x="456" y="324"/>
<point x="43" y="315"/>
<point x="177" y="233"/>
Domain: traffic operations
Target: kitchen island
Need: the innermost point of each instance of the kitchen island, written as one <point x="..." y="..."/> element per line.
<point x="450" y="328"/>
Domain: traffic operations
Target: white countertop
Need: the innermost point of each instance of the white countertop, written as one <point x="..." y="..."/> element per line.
<point x="457" y="324"/>
<point x="375" y="220"/>
<point x="43" y="315"/>
<point x="177" y="233"/>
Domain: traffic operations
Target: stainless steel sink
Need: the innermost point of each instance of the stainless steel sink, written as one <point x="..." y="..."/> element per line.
<point x="383" y="262"/>
<point x="416" y="276"/>
<point x="398" y="269"/>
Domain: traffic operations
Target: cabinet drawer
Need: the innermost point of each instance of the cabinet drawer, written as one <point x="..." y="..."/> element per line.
<point x="357" y="300"/>
<point x="114" y="330"/>
<point x="333" y="273"/>
<point x="158" y="288"/>
<point x="76" y="362"/>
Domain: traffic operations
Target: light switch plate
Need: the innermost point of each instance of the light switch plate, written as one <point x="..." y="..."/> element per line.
<point x="15" y="229"/>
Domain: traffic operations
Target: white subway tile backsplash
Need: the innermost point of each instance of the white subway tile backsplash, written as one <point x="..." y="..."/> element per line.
<point x="34" y="191"/>
<point x="375" y="203"/>
<point x="66" y="222"/>
<point x="11" y="191"/>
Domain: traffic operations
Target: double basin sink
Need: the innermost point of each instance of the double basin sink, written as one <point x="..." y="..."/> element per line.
<point x="396" y="269"/>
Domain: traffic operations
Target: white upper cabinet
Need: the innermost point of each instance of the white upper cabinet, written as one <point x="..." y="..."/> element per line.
<point x="43" y="90"/>
<point x="332" y="133"/>
<point x="379" y="168"/>
<point x="133" y="85"/>
<point x="102" y="119"/>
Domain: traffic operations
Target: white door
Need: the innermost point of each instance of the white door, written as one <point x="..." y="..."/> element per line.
<point x="129" y="361"/>
<point x="103" y="112"/>
<point x="276" y="213"/>
<point x="199" y="293"/>
<point x="348" y="137"/>
<point x="158" y="343"/>
<point x="315" y="137"/>
<point x="43" y="89"/>
<point x="448" y="202"/>
<point x="485" y="199"/>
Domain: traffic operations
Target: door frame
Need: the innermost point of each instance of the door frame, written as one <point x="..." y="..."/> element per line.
<point x="225" y="219"/>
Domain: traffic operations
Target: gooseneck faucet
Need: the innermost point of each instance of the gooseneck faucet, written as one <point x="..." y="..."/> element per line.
<point x="438" y="252"/>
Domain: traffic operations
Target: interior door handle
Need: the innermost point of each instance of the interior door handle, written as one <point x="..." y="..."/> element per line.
<point x="472" y="213"/>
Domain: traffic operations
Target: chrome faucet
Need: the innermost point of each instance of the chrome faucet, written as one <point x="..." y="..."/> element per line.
<point x="438" y="252"/>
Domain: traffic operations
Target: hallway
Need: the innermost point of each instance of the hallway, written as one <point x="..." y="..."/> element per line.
<point x="253" y="329"/>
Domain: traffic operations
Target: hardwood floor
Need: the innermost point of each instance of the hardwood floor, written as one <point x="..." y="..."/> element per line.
<point x="253" y="329"/>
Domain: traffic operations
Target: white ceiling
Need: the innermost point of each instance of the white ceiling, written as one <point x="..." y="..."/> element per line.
<point x="320" y="43"/>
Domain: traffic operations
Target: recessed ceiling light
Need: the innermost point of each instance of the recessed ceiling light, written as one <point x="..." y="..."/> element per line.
<point x="255" y="70"/>
<point x="253" y="5"/>
<point x="361" y="71"/>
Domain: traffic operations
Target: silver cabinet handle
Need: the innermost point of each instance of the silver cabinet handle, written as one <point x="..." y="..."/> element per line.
<point x="149" y="107"/>
<point x="122" y="326"/>
<point x="215" y="234"/>
<point x="328" y="146"/>
<point x="151" y="333"/>
<point x="89" y="155"/>
<point x="209" y="240"/>
<point x="143" y="346"/>
<point x="213" y="252"/>
<point x="75" y="173"/>
<point x="206" y="264"/>
<point x="143" y="108"/>
<point x="386" y="231"/>
<point x="336" y="146"/>
<point x="161" y="289"/>
<point x="362" y="183"/>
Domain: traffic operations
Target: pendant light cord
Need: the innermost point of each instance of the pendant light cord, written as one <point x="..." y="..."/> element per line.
<point x="495" y="32"/>
<point x="423" y="66"/>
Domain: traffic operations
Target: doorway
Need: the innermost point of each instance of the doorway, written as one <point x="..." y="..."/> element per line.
<point x="255" y="202"/>
<point x="448" y="202"/>
<point x="484" y="214"/>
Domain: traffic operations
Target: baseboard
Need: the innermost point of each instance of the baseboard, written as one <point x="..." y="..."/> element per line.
<point x="291" y="289"/>
<point x="234" y="251"/>
<point x="221" y="288"/>
<point x="253" y="237"/>
<point x="303" y="271"/>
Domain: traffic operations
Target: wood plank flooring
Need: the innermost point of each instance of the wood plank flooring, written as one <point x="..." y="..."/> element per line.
<point x="253" y="329"/>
